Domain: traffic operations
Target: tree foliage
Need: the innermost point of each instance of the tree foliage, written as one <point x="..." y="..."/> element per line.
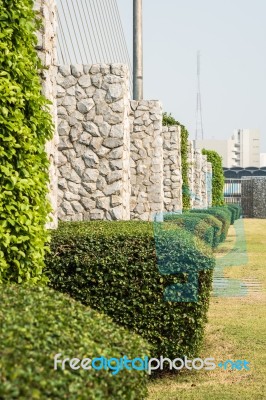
<point x="25" y="127"/>
<point x="217" y="177"/>
<point x="169" y="120"/>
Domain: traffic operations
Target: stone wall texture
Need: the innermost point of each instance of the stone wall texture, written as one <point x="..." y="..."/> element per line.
<point x="46" y="48"/>
<point x="110" y="157"/>
<point x="197" y="179"/>
<point x="116" y="160"/>
<point x="94" y="147"/>
<point x="253" y="198"/>
<point x="172" y="183"/>
<point x="146" y="159"/>
<point x="191" y="169"/>
<point x="204" y="191"/>
<point x="209" y="184"/>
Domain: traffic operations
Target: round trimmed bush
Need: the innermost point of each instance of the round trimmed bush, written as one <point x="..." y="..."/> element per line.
<point x="193" y="224"/>
<point x="215" y="223"/>
<point x="233" y="214"/>
<point x="237" y="208"/>
<point x="222" y="214"/>
<point x="38" y="323"/>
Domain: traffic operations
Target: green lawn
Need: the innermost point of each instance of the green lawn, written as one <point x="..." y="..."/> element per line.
<point x="236" y="330"/>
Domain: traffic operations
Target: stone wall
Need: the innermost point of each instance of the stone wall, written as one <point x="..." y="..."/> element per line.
<point x="146" y="159"/>
<point x="114" y="160"/>
<point x="197" y="179"/>
<point x="253" y="198"/>
<point x="172" y="184"/>
<point x="259" y="197"/>
<point x="94" y="170"/>
<point x="46" y="48"/>
<point x="204" y="193"/>
<point x="191" y="169"/>
<point x="209" y="184"/>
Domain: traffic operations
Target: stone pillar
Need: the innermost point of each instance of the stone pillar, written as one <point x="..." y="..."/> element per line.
<point x="94" y="161"/>
<point x="172" y="169"/>
<point x="197" y="183"/>
<point x="209" y="184"/>
<point x="146" y="157"/>
<point x="204" y="195"/>
<point x="46" y="48"/>
<point x="191" y="168"/>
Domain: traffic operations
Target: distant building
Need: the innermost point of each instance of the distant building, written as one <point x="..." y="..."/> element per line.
<point x="241" y="150"/>
<point x="223" y="147"/>
<point x="247" y="142"/>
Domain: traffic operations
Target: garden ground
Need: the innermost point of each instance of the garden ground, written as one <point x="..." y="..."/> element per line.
<point x="236" y="330"/>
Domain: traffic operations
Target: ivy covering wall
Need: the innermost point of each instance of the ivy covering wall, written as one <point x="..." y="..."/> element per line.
<point x="169" y="120"/>
<point x="25" y="127"/>
<point x="217" y="177"/>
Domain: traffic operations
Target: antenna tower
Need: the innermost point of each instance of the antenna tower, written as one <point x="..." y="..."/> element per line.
<point x="199" y="124"/>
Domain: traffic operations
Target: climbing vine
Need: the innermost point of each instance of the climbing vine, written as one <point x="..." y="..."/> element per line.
<point x="217" y="177"/>
<point x="169" y="120"/>
<point x="25" y="127"/>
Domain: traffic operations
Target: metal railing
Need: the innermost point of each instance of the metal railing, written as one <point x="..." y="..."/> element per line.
<point x="232" y="190"/>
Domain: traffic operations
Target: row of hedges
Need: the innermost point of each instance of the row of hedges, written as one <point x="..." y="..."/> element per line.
<point x="206" y="227"/>
<point x="133" y="275"/>
<point x="236" y="211"/>
<point x="222" y="214"/>
<point x="210" y="225"/>
<point x="38" y="323"/>
<point x="193" y="224"/>
<point x="128" y="270"/>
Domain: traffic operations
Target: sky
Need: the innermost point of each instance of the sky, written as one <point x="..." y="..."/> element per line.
<point x="231" y="37"/>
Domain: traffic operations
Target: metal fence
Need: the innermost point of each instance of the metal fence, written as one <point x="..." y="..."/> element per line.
<point x="233" y="191"/>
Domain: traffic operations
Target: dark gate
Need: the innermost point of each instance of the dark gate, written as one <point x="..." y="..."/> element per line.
<point x="249" y="192"/>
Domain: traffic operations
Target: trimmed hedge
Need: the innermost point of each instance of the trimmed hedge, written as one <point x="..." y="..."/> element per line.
<point x="38" y="323"/>
<point x="193" y="224"/>
<point x="114" y="267"/>
<point x="210" y="220"/>
<point x="217" y="177"/>
<point x="214" y="222"/>
<point x="221" y="213"/>
<point x="25" y="127"/>
<point x="233" y="214"/>
<point x="237" y="208"/>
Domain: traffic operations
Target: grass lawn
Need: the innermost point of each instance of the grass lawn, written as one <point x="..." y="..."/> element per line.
<point x="236" y="330"/>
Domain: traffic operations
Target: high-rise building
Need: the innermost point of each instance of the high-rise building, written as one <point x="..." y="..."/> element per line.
<point x="241" y="150"/>
<point x="262" y="159"/>
<point x="247" y="148"/>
